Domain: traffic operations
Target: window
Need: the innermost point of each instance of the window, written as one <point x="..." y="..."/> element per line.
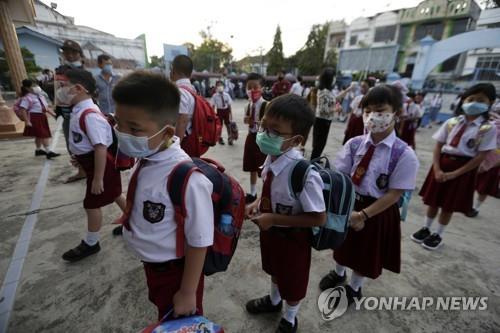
<point x="403" y="34"/>
<point x="433" y="29"/>
<point x="487" y="68"/>
<point x="460" y="26"/>
<point x="450" y="64"/>
<point x="353" y="40"/>
<point x="383" y="34"/>
<point x="438" y="8"/>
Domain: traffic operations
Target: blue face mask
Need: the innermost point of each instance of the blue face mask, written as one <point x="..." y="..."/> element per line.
<point x="475" y="108"/>
<point x="108" y="68"/>
<point x="136" y="146"/>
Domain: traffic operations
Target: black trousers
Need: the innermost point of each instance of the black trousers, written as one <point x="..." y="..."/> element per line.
<point x="321" y="129"/>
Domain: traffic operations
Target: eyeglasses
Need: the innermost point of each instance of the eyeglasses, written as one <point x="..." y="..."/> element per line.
<point x="272" y="133"/>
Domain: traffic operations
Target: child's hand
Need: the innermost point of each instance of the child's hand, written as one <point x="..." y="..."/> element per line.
<point x="264" y="221"/>
<point x="97" y="186"/>
<point x="246" y="120"/>
<point x="184" y="303"/>
<point x="28" y="124"/>
<point x="356" y="221"/>
<point x="74" y="162"/>
<point x="439" y="175"/>
<point x="252" y="209"/>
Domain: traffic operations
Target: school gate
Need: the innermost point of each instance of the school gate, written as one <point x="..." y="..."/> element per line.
<point x="433" y="53"/>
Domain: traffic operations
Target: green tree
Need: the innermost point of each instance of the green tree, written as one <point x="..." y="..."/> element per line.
<point x="29" y="64"/>
<point x="311" y="57"/>
<point x="155" y="61"/>
<point x="275" y="54"/>
<point x="212" y="54"/>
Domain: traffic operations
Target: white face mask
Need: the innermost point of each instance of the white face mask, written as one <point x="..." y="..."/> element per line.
<point x="136" y="146"/>
<point x="377" y="122"/>
<point x="63" y="97"/>
<point x="220" y="89"/>
<point x="37" y="90"/>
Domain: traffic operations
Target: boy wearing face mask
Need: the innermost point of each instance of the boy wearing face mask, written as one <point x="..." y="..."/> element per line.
<point x="253" y="158"/>
<point x="285" y="221"/>
<point x="105" y="82"/>
<point x="382" y="167"/>
<point x="462" y="144"/>
<point x="147" y="106"/>
<point x="222" y="102"/>
<point x="89" y="139"/>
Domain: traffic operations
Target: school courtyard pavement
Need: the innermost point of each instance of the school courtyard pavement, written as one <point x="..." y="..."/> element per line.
<point x="107" y="292"/>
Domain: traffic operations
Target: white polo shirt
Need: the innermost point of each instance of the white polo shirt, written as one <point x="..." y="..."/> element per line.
<point x="221" y="100"/>
<point x="153" y="228"/>
<point x="256" y="120"/>
<point x="31" y="103"/>
<point x="99" y="131"/>
<point x="355" y="108"/>
<point x="311" y="197"/>
<point x="471" y="141"/>
<point x="187" y="101"/>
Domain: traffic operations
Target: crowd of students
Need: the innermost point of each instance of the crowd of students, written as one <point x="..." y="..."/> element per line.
<point x="153" y="117"/>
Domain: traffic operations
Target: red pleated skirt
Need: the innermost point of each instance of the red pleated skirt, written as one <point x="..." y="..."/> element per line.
<point x="40" y="126"/>
<point x="487" y="182"/>
<point x="355" y="127"/>
<point x="112" y="182"/>
<point x="376" y="246"/>
<point x="253" y="158"/>
<point x="455" y="195"/>
<point x="408" y="133"/>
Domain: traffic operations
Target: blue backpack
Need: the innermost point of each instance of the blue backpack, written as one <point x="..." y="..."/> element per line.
<point x="339" y="196"/>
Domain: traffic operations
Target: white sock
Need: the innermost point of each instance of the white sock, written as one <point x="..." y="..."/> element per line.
<point x="340" y="270"/>
<point x="253" y="189"/>
<point x="440" y="229"/>
<point x="428" y="222"/>
<point x="477" y="204"/>
<point x="357" y="281"/>
<point x="92" y="238"/>
<point x="275" y="294"/>
<point x="291" y="313"/>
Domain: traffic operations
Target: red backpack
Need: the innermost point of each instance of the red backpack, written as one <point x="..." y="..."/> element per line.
<point x="206" y="127"/>
<point x="122" y="161"/>
<point x="228" y="200"/>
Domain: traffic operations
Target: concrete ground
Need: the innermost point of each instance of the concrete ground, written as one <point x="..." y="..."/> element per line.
<point x="108" y="293"/>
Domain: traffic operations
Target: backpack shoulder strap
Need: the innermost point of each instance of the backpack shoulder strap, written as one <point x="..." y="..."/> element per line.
<point x="176" y="188"/>
<point x="262" y="109"/>
<point x="84" y="114"/>
<point x="398" y="148"/>
<point x="297" y="177"/>
<point x="453" y="122"/>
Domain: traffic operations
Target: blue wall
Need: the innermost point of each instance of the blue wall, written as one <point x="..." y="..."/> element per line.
<point x="46" y="53"/>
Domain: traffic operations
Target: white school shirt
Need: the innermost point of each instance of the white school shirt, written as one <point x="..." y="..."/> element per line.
<point x="356" y="110"/>
<point x="296" y="89"/>
<point x="153" y="228"/>
<point x="99" y="131"/>
<point x="468" y="145"/>
<point x="282" y="201"/>
<point x="403" y="177"/>
<point x="187" y="103"/>
<point x="31" y="103"/>
<point x="217" y="100"/>
<point x="256" y="119"/>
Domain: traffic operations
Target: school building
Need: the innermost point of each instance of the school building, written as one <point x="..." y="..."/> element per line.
<point x="389" y="41"/>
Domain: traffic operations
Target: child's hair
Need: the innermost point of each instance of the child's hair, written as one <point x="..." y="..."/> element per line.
<point x="411" y="94"/>
<point x="383" y="94"/>
<point x="369" y="82"/>
<point x="255" y="77"/>
<point x="182" y="64"/>
<point x="219" y="82"/>
<point x="326" y="78"/>
<point x="294" y="109"/>
<point x="83" y="78"/>
<point x="152" y="92"/>
<point x="102" y="58"/>
<point x="26" y="85"/>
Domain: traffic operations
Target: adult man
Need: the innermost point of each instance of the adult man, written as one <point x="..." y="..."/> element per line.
<point x="180" y="73"/>
<point x="299" y="88"/>
<point x="72" y="58"/>
<point x="105" y="81"/>
<point x="282" y="86"/>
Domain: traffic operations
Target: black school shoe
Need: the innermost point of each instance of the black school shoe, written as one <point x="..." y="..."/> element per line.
<point x="331" y="280"/>
<point x="221" y="142"/>
<point x="118" y="231"/>
<point x="287" y="327"/>
<point x="433" y="242"/>
<point x="250" y="198"/>
<point x="473" y="213"/>
<point x="40" y="152"/>
<point x="263" y="305"/>
<point x="81" y="251"/>
<point x="351" y="294"/>
<point x="420" y="235"/>
<point x="51" y="154"/>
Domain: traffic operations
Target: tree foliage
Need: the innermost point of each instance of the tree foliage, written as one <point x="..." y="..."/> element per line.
<point x="311" y="57"/>
<point x="275" y="54"/>
<point x="29" y="63"/>
<point x="211" y="55"/>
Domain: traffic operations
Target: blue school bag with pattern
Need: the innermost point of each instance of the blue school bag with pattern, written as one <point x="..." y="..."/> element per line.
<point x="339" y="196"/>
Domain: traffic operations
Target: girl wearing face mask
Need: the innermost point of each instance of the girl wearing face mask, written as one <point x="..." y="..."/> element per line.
<point x="33" y="107"/>
<point x="382" y="167"/>
<point x="462" y="144"/>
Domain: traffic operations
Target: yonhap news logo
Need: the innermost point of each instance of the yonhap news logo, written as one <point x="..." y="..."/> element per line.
<point x="333" y="303"/>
